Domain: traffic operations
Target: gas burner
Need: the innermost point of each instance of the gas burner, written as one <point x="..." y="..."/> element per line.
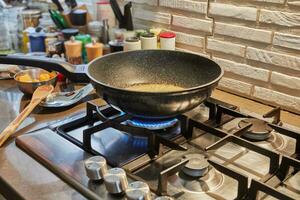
<point x="260" y="130"/>
<point x="197" y="176"/>
<point x="197" y="165"/>
<point x="153" y="124"/>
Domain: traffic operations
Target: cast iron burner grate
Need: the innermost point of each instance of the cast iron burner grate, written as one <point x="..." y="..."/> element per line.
<point x="107" y="133"/>
<point x="259" y="130"/>
<point x="245" y="128"/>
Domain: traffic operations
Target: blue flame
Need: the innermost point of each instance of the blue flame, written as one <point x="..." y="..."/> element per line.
<point x="153" y="124"/>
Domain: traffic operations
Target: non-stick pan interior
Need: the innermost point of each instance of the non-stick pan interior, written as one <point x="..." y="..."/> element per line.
<point x="155" y="67"/>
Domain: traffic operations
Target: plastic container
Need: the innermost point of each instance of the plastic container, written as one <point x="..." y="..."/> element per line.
<point x="149" y="41"/>
<point x="167" y="40"/>
<point x="94" y="50"/>
<point x="37" y="42"/>
<point x="73" y="51"/>
<point x="132" y="43"/>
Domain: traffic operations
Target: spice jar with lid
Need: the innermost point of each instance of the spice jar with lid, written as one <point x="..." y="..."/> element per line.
<point x="149" y="41"/>
<point x="94" y="50"/>
<point x="73" y="51"/>
<point x="132" y="43"/>
<point x="167" y="40"/>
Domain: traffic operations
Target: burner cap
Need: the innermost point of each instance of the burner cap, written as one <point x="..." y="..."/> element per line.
<point x="197" y="165"/>
<point x="260" y="130"/>
<point x="153" y="124"/>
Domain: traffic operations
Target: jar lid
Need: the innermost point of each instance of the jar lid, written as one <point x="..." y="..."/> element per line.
<point x="148" y="35"/>
<point x="132" y="39"/>
<point x="115" y="43"/>
<point x="79" y="12"/>
<point x="70" y="31"/>
<point x="167" y="35"/>
<point x="37" y="34"/>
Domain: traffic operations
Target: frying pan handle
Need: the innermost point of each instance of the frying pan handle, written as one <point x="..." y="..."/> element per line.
<point x="74" y="73"/>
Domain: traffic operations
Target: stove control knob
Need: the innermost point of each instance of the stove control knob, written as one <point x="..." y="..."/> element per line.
<point x="164" y="198"/>
<point x="115" y="181"/>
<point x="95" y="167"/>
<point x="138" y="191"/>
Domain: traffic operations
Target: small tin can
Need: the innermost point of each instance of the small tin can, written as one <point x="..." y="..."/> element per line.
<point x="132" y="43"/>
<point x="167" y="40"/>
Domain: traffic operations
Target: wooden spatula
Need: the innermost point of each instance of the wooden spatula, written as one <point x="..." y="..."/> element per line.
<point x="39" y="94"/>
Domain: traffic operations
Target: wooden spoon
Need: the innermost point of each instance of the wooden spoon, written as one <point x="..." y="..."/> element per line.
<point x="39" y="94"/>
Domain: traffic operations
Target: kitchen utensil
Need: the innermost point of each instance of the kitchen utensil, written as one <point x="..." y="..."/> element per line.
<point x="78" y="17"/>
<point x="113" y="73"/>
<point x="30" y="87"/>
<point x="39" y="94"/>
<point x="55" y="21"/>
<point x="71" y="3"/>
<point x="63" y="99"/>
<point x="60" y="18"/>
<point x="57" y="3"/>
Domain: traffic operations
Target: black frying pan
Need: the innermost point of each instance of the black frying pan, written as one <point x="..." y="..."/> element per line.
<point x="112" y="74"/>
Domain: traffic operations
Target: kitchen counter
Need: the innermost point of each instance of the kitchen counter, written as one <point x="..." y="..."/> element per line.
<point x="21" y="174"/>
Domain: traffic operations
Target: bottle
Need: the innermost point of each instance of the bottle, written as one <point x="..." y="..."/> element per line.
<point x="105" y="37"/>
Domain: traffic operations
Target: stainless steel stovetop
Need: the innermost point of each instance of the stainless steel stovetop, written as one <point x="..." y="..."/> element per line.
<point x="215" y="151"/>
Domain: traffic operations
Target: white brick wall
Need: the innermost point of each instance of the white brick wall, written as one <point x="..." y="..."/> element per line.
<point x="235" y="86"/>
<point x="193" y="23"/>
<point x="243" y="69"/>
<point x="239" y="12"/>
<point x="243" y="32"/>
<point x="273" y="58"/>
<point x="188" y="39"/>
<point x="287" y="40"/>
<point x="225" y="47"/>
<point x="285" y="81"/>
<point x="293" y="2"/>
<point x="276" y="98"/>
<point x="164" y="18"/>
<point x="271" y="1"/>
<point x="257" y="42"/>
<point x="188" y="5"/>
<point x="280" y="18"/>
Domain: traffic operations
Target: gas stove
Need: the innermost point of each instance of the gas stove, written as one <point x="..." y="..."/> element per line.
<point x="215" y="151"/>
